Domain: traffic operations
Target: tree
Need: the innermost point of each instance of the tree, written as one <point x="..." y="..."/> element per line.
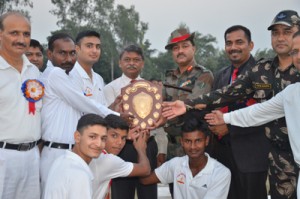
<point x="265" y="53"/>
<point x="118" y="26"/>
<point x="8" y="5"/>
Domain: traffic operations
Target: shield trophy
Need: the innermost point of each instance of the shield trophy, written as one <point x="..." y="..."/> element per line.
<point x="142" y="99"/>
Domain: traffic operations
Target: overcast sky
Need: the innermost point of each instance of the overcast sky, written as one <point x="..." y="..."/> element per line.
<point x="206" y="16"/>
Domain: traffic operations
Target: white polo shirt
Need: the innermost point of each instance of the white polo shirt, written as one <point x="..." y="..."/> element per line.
<point x="113" y="89"/>
<point x="63" y="105"/>
<point x="17" y="124"/>
<point x="212" y="182"/>
<point x="105" y="168"/>
<point x="69" y="178"/>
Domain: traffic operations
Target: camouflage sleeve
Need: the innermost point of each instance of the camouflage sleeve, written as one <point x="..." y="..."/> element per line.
<point x="203" y="85"/>
<point x="240" y="89"/>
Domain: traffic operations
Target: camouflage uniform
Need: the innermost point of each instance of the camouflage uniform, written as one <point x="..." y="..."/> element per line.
<point x="262" y="82"/>
<point x="199" y="80"/>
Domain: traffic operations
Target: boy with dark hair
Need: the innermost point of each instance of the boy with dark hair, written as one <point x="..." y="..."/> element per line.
<point x="195" y="175"/>
<point x="70" y="176"/>
<point x="109" y="165"/>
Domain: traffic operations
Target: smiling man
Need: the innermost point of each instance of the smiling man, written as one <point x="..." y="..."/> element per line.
<point x="70" y="176"/>
<point x="20" y="113"/>
<point x="195" y="175"/>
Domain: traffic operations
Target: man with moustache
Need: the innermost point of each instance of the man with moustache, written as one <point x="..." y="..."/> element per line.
<point x="188" y="75"/>
<point x="20" y="112"/>
<point x="229" y="145"/>
<point x="285" y="103"/>
<point x="262" y="82"/>
<point x="131" y="62"/>
<point x="64" y="102"/>
<point x="35" y="54"/>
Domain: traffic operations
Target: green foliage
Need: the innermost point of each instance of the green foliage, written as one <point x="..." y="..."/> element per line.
<point x="9" y="5"/>
<point x="265" y="53"/>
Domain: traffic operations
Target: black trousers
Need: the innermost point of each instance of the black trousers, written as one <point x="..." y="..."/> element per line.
<point x="124" y="188"/>
<point x="243" y="185"/>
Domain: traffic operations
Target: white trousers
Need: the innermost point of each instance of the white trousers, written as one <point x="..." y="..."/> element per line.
<point x="19" y="174"/>
<point x="48" y="156"/>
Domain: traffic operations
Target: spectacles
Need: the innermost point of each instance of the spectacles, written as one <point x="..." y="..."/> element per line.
<point x="294" y="52"/>
<point x="134" y="60"/>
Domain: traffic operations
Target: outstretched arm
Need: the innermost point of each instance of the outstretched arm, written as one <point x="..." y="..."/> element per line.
<point x="142" y="168"/>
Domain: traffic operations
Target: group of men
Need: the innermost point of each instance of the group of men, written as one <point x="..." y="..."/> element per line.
<point x="70" y="97"/>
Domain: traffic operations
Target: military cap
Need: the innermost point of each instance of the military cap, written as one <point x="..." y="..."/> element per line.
<point x="285" y="17"/>
<point x="178" y="35"/>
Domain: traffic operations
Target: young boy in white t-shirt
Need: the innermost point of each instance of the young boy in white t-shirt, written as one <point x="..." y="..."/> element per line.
<point x="195" y="175"/>
<point x="109" y="165"/>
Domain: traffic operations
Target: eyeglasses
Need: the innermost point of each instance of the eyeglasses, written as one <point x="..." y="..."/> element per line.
<point x="294" y="52"/>
<point x="134" y="60"/>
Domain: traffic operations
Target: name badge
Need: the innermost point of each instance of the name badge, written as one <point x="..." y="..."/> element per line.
<point x="262" y="86"/>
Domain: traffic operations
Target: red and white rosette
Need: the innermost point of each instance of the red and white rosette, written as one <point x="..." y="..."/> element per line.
<point x="33" y="90"/>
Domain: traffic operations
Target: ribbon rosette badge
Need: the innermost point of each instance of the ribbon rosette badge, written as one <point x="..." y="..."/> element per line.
<point x="33" y="91"/>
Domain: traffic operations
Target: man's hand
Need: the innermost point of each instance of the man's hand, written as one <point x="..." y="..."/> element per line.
<point x="214" y="118"/>
<point x="128" y="118"/>
<point x="161" y="158"/>
<point x="117" y="105"/>
<point x="219" y="130"/>
<point x="173" y="109"/>
<point x="133" y="133"/>
<point x="140" y="144"/>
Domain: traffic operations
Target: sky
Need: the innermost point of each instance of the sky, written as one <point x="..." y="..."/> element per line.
<point x="205" y="16"/>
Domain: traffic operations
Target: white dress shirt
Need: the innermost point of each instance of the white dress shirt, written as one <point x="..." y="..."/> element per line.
<point x="286" y="103"/>
<point x="63" y="104"/>
<point x="113" y="89"/>
<point x="17" y="125"/>
<point x="212" y="182"/>
<point x="69" y="178"/>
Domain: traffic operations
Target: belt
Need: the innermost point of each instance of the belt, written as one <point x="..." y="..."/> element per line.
<point x="19" y="147"/>
<point x="58" y="145"/>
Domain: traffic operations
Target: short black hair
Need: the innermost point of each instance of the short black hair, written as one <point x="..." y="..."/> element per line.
<point x="132" y="48"/>
<point x="10" y="13"/>
<point x="193" y="120"/>
<point x="90" y="120"/>
<point x="116" y="122"/>
<point x="86" y="33"/>
<point x="36" y="44"/>
<point x="236" y="28"/>
<point x="56" y="36"/>
<point x="296" y="34"/>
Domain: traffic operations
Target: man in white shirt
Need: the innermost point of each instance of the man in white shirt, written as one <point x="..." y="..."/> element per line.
<point x="63" y="103"/>
<point x="109" y="165"/>
<point x="35" y="54"/>
<point x="195" y="175"/>
<point x="131" y="62"/>
<point x="70" y="176"/>
<point x="285" y="103"/>
<point x="20" y="119"/>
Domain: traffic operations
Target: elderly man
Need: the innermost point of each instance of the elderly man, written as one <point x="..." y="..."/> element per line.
<point x="131" y="63"/>
<point x="20" y="112"/>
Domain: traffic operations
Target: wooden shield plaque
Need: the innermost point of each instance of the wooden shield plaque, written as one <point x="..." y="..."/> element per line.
<point x="143" y="100"/>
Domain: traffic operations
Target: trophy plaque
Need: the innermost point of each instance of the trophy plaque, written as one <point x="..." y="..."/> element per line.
<point x="142" y="99"/>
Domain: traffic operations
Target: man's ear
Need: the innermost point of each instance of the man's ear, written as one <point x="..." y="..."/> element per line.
<point x="77" y="136"/>
<point x="207" y="140"/>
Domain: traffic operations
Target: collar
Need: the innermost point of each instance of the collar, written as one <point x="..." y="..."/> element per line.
<point x="81" y="71"/>
<point x="275" y="64"/>
<point x="187" y="71"/>
<point x="50" y="64"/>
<point x="78" y="159"/>
<point x="208" y="169"/>
<point x="127" y="79"/>
<point x="5" y="65"/>
<point x="250" y="61"/>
